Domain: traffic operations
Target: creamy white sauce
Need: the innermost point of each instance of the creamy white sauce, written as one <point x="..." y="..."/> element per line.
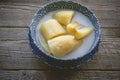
<point x="87" y="42"/>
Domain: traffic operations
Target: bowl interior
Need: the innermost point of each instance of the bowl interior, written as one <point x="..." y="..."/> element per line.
<point x="81" y="50"/>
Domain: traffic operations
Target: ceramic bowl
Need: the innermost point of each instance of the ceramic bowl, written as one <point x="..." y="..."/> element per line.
<point x="59" y="63"/>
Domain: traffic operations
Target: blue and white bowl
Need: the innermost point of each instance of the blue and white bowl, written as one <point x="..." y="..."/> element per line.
<point x="59" y="63"/>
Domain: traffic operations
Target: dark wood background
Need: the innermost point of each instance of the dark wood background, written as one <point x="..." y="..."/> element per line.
<point x="18" y="63"/>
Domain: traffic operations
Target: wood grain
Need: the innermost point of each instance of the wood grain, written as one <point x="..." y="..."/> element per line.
<point x="13" y="34"/>
<point x="16" y="53"/>
<point x="17" y="62"/>
<point x="59" y="75"/>
<point x="17" y="14"/>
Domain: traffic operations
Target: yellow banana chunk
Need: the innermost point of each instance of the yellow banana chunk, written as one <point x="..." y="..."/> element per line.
<point x="62" y="45"/>
<point x="64" y="17"/>
<point x="71" y="28"/>
<point x="51" y="28"/>
<point x="83" y="32"/>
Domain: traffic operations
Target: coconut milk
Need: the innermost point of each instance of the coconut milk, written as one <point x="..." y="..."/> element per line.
<point x="87" y="42"/>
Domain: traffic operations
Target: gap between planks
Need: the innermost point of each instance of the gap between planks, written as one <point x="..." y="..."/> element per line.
<point x="56" y="69"/>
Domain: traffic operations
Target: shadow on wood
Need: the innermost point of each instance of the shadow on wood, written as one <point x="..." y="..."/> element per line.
<point x="61" y="75"/>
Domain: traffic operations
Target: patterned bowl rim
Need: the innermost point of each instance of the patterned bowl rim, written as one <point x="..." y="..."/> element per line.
<point x="96" y="44"/>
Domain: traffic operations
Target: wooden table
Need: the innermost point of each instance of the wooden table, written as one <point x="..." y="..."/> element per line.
<point x="18" y="63"/>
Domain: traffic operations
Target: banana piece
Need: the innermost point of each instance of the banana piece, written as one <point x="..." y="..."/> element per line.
<point x="71" y="28"/>
<point x="64" y="17"/>
<point x="62" y="45"/>
<point x="83" y="32"/>
<point x="51" y="28"/>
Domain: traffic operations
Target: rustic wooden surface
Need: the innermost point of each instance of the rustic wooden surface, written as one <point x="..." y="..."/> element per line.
<point x="18" y="63"/>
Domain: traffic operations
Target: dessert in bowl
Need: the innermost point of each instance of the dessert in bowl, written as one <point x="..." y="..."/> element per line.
<point x="64" y="34"/>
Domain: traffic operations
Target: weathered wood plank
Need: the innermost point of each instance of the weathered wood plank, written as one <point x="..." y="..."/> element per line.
<point x="25" y="1"/>
<point x="59" y="75"/>
<point x="21" y="63"/>
<point x="20" y="14"/>
<point x="103" y="2"/>
<point x="7" y="34"/>
<point x="16" y="54"/>
<point x="13" y="33"/>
